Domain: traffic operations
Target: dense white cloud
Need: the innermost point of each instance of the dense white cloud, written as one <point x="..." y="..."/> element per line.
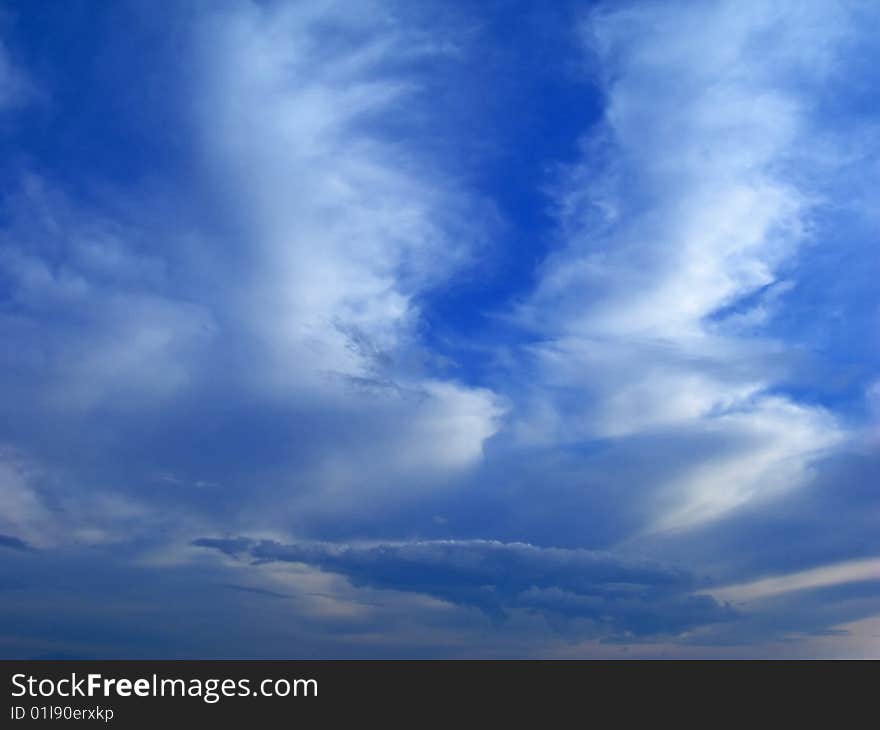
<point x="334" y="229"/>
<point x="337" y="228"/>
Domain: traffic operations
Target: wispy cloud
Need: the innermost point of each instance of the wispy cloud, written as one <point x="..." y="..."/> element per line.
<point x="677" y="228"/>
<point x="828" y="575"/>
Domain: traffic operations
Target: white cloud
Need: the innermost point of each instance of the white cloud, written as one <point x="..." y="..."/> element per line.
<point x="340" y="227"/>
<point x="825" y="576"/>
<point x="35" y="507"/>
<point x="779" y="438"/>
<point x="22" y="514"/>
<point x="675" y="227"/>
<point x="337" y="228"/>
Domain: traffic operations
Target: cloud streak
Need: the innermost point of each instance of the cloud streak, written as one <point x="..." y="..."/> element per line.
<point x="831" y="575"/>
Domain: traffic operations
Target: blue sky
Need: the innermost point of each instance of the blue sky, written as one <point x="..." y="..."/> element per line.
<point x="474" y="329"/>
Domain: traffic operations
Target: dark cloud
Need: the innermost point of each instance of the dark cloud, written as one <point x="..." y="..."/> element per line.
<point x="14" y="543"/>
<point x="615" y="596"/>
<point x="253" y="590"/>
<point x="230" y="546"/>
